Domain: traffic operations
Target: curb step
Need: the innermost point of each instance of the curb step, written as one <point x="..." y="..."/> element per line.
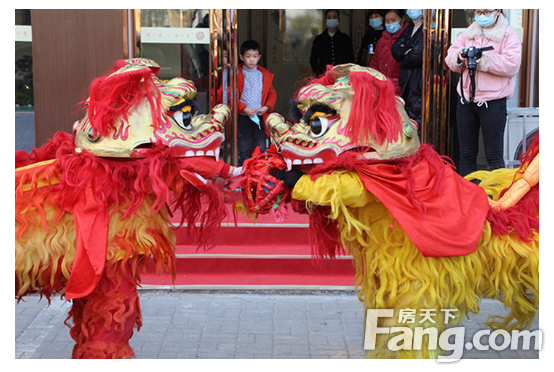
<point x="233" y="271"/>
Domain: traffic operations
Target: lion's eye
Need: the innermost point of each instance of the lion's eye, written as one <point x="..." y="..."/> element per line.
<point x="90" y="135"/>
<point x="183" y="119"/>
<point x="318" y="126"/>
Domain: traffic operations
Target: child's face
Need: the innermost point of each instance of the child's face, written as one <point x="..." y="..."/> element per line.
<point x="250" y="58"/>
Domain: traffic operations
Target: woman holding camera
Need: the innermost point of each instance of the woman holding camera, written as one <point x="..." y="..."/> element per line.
<point x="486" y="82"/>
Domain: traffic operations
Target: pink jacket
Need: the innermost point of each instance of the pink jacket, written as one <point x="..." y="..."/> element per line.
<point x="497" y="68"/>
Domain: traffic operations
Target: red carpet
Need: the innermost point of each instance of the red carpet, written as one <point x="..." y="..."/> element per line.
<point x="261" y="255"/>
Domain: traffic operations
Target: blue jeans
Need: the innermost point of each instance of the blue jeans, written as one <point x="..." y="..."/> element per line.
<point x="249" y="137"/>
<point x="491" y="119"/>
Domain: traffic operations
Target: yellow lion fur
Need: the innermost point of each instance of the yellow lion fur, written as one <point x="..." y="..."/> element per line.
<point x="392" y="274"/>
<point x="496" y="181"/>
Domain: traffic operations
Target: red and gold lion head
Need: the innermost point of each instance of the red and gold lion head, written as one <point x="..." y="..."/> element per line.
<point x="130" y="109"/>
<point x="349" y="107"/>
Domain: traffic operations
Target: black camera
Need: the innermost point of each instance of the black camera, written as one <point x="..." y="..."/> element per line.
<point x="473" y="54"/>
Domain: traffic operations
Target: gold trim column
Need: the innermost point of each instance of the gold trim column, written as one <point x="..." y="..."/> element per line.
<point x="216" y="56"/>
<point x="234" y="60"/>
<point x="223" y="37"/>
<point x="132" y="22"/>
<point x="435" y="113"/>
<point x="528" y="92"/>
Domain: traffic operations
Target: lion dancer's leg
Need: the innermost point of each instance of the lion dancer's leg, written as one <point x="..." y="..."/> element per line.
<point x="521" y="187"/>
<point x="104" y="320"/>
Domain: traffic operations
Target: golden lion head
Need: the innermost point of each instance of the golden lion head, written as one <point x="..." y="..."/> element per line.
<point x="349" y="107"/>
<point x="131" y="109"/>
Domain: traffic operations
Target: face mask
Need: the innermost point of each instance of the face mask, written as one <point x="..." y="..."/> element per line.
<point x="485" y="20"/>
<point x="332" y="23"/>
<point x="393" y="27"/>
<point x="375" y="23"/>
<point x="414" y="13"/>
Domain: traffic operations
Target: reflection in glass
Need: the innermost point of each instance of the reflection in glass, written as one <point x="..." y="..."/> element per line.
<point x="188" y="60"/>
<point x="302" y="26"/>
<point x="23" y="75"/>
<point x="23" y="62"/>
<point x="174" y="18"/>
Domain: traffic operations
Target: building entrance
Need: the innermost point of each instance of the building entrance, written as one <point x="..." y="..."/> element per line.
<point x="193" y="43"/>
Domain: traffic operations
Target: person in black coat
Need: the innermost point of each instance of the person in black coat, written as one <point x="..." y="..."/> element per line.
<point x="375" y="19"/>
<point x="408" y="52"/>
<point x="331" y="47"/>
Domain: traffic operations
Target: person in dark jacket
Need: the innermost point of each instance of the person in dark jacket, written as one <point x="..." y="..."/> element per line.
<point x="375" y="19"/>
<point x="331" y="47"/>
<point x="408" y="52"/>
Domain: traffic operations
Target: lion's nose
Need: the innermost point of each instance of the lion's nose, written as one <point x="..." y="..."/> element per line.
<point x="277" y="124"/>
<point x="221" y="113"/>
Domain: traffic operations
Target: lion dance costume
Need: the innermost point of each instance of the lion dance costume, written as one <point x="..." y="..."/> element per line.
<point x="92" y="210"/>
<point x="422" y="237"/>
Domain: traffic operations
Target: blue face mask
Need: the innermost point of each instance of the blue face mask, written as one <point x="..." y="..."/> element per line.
<point x="393" y="27"/>
<point x="485" y="20"/>
<point x="332" y="23"/>
<point x="375" y="23"/>
<point x="414" y="13"/>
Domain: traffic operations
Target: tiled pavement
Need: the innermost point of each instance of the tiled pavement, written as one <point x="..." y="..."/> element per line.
<point x="234" y="325"/>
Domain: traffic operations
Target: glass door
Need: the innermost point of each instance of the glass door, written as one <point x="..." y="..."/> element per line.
<point x="179" y="40"/>
<point x="199" y="45"/>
